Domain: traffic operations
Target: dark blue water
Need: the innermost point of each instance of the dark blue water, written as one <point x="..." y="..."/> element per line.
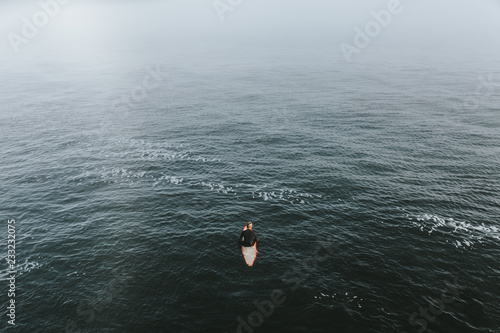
<point x="369" y="185"/>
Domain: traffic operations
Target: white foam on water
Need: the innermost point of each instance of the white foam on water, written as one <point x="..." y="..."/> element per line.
<point x="27" y="267"/>
<point x="144" y="150"/>
<point x="266" y="192"/>
<point x="116" y="175"/>
<point x="467" y="233"/>
<point x="219" y="188"/>
<point x="20" y="269"/>
<point x="128" y="150"/>
<point x="121" y="175"/>
<point x="164" y="180"/>
<point x="342" y="297"/>
<point x="288" y="195"/>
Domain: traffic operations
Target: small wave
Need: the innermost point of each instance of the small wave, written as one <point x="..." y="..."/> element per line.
<point x="144" y="150"/>
<point x="129" y="151"/>
<point x="122" y="176"/>
<point x="219" y="188"/>
<point x="106" y="176"/>
<point x="467" y="232"/>
<point x="37" y="179"/>
<point x="164" y="179"/>
<point x="342" y="297"/>
<point x="20" y="269"/>
<point x="265" y="192"/>
<point x="291" y="196"/>
<point x="27" y="267"/>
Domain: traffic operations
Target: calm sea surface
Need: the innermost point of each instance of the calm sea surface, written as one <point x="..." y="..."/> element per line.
<point x="369" y="185"/>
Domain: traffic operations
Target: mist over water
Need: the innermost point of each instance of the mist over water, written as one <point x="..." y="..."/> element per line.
<point x="137" y="139"/>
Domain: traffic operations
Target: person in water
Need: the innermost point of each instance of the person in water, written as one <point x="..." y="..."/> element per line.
<point x="248" y="237"/>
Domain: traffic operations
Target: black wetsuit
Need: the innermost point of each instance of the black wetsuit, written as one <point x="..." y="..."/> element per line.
<point x="248" y="238"/>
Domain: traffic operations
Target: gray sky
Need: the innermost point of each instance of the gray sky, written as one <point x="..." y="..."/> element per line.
<point x="92" y="23"/>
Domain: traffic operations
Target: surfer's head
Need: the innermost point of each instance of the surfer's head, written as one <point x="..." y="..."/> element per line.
<point x="249" y="225"/>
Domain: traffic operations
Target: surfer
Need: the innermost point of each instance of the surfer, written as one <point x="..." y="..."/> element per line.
<point x="248" y="237"/>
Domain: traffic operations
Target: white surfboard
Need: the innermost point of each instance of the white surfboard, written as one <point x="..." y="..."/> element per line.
<point x="249" y="252"/>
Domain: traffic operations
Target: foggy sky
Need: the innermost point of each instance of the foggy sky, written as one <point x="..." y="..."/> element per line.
<point x="98" y="24"/>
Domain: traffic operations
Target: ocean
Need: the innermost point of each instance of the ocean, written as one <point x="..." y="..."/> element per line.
<point x="373" y="187"/>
